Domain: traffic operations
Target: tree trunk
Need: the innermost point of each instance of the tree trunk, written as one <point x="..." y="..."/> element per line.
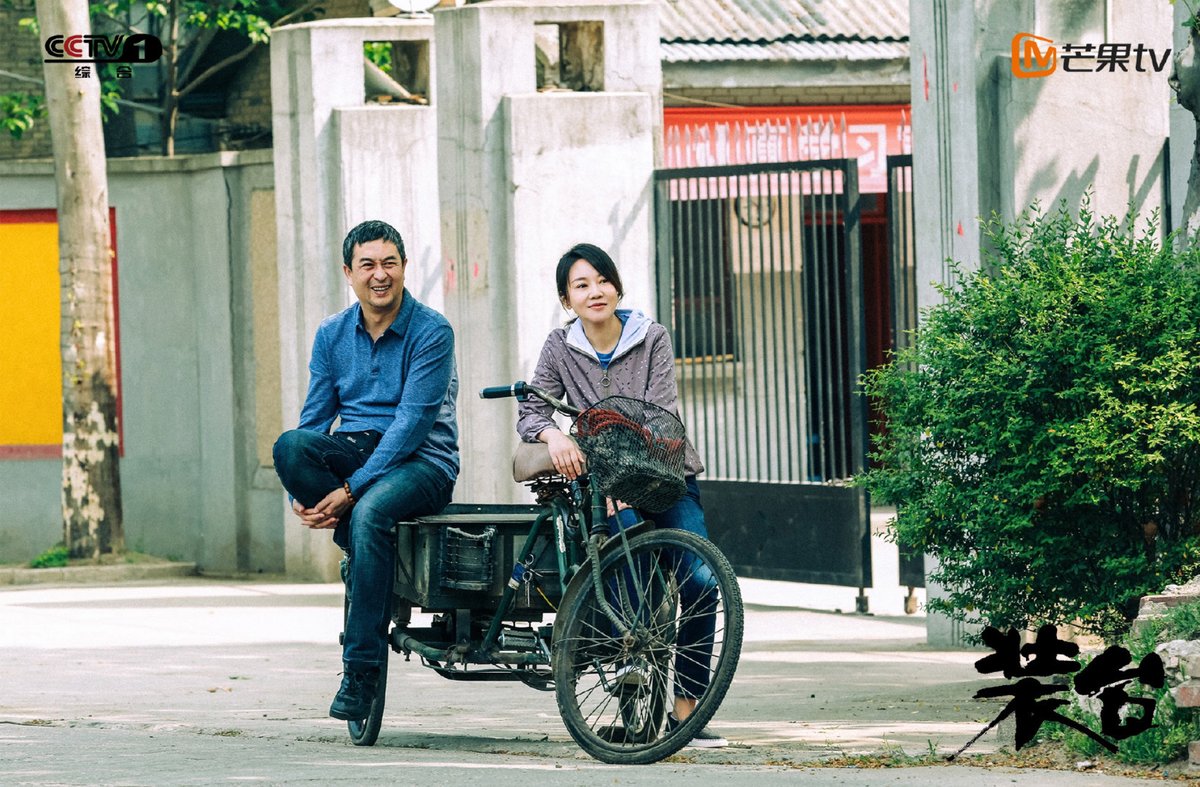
<point x="171" y="90"/>
<point x="1185" y="81"/>
<point x="91" y="489"/>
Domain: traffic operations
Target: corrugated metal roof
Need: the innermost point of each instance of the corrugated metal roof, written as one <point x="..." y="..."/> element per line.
<point x="765" y="21"/>
<point x="782" y="51"/>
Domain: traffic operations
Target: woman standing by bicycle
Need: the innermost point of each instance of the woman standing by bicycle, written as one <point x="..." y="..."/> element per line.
<point x="605" y="351"/>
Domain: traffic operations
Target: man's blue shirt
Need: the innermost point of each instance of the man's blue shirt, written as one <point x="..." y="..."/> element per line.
<point x="403" y="385"/>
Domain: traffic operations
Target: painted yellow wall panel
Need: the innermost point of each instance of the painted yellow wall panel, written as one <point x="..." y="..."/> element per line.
<point x="30" y="364"/>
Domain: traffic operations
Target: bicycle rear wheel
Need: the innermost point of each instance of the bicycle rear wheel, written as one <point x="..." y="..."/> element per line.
<point x="677" y="597"/>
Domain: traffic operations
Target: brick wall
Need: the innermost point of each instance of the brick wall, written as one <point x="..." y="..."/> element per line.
<point x="787" y="96"/>
<point x="248" y="102"/>
<point x="22" y="55"/>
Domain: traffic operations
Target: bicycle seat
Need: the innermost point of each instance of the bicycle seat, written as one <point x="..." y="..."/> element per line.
<point x="532" y="461"/>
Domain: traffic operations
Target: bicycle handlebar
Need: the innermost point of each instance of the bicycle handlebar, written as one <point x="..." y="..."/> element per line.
<point x="522" y="391"/>
<point x="517" y="389"/>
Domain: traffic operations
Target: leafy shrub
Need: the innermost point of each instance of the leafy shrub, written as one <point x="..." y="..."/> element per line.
<point x="54" y="557"/>
<point x="1043" y="435"/>
<point x="1174" y="727"/>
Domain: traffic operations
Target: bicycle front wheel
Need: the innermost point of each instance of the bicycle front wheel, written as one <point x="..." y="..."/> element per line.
<point x="364" y="732"/>
<point x="664" y="620"/>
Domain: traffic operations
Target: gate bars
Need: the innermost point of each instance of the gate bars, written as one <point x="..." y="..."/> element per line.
<point x="760" y="281"/>
<point x="902" y="250"/>
<point x="905" y="313"/>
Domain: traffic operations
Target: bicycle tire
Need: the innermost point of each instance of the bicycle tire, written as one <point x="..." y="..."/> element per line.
<point x="364" y="732"/>
<point x="588" y="653"/>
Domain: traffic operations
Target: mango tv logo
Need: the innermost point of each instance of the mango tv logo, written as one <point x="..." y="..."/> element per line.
<point x="1035" y="56"/>
<point x="1029" y="59"/>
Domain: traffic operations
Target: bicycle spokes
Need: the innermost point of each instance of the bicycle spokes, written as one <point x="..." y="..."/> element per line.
<point x="677" y="600"/>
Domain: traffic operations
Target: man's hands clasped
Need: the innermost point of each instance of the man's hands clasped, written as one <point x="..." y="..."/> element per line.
<point x="326" y="514"/>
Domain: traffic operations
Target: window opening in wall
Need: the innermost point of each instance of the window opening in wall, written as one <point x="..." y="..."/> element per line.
<point x="396" y="72"/>
<point x="545" y="46"/>
<point x="569" y="56"/>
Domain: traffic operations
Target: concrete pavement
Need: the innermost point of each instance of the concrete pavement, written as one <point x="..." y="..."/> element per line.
<point x="201" y="681"/>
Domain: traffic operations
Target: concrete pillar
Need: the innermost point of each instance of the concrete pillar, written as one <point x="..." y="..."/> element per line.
<point x="985" y="140"/>
<point x="524" y="176"/>
<point x="1183" y="131"/>
<point x="339" y="161"/>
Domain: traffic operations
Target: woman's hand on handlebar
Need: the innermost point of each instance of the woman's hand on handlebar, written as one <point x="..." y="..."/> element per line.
<point x="564" y="453"/>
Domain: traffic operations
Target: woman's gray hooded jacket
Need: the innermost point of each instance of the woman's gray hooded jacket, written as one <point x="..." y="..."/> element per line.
<point x="642" y="367"/>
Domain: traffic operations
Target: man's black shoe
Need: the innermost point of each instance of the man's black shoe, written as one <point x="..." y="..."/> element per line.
<point x="354" y="698"/>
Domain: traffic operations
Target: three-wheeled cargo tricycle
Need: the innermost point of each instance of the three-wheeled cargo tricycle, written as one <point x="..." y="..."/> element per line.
<point x="617" y="619"/>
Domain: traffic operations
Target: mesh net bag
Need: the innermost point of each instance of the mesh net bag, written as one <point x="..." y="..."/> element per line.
<point x="634" y="451"/>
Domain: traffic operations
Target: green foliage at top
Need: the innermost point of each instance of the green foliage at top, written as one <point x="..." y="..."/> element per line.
<point x="379" y="53"/>
<point x="1043" y="434"/>
<point x="19" y="111"/>
<point x="252" y="18"/>
<point x="1192" y="22"/>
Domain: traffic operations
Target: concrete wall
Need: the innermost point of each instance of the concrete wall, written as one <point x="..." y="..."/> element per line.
<point x="579" y="167"/>
<point x="340" y="162"/>
<point x="985" y="140"/>
<point x="1123" y="116"/>
<point x="192" y="484"/>
<point x="523" y="177"/>
<point x="1183" y="130"/>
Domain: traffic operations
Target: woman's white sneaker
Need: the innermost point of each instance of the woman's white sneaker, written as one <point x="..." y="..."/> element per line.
<point x="704" y="739"/>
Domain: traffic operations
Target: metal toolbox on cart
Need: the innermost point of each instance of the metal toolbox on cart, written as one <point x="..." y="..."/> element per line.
<point x="463" y="557"/>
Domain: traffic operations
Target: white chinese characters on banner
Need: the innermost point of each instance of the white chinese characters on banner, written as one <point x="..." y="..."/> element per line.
<point x="786" y="139"/>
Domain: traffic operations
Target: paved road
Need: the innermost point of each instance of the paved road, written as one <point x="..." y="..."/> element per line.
<point x="210" y="682"/>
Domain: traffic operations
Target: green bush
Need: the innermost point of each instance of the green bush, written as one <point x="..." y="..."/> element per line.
<point x="1043" y="436"/>
<point x="1174" y="727"/>
<point x="54" y="557"/>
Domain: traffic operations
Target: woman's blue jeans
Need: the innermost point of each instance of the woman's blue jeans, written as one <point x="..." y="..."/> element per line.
<point x="698" y="594"/>
<point x="311" y="465"/>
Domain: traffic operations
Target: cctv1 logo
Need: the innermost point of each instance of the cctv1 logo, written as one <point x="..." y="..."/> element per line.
<point x="139" y="48"/>
<point x="1035" y="56"/>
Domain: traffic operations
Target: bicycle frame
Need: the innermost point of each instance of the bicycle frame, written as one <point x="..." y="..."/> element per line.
<point x="617" y="637"/>
<point x="576" y="523"/>
<point x="593" y="538"/>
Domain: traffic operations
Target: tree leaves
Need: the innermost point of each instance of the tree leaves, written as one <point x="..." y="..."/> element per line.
<point x="19" y="111"/>
<point x="251" y="18"/>
<point x="1048" y="411"/>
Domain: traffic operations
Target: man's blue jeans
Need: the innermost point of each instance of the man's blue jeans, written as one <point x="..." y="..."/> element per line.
<point x="698" y="593"/>
<point x="311" y="465"/>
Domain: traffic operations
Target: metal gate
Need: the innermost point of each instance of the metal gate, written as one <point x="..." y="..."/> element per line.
<point x="903" y="286"/>
<point x="760" y="281"/>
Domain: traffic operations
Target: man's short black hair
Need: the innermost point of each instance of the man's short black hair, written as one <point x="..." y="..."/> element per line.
<point x="367" y="232"/>
<point x="593" y="255"/>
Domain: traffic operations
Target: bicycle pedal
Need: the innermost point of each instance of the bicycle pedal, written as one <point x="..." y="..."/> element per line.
<point x="630" y="676"/>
